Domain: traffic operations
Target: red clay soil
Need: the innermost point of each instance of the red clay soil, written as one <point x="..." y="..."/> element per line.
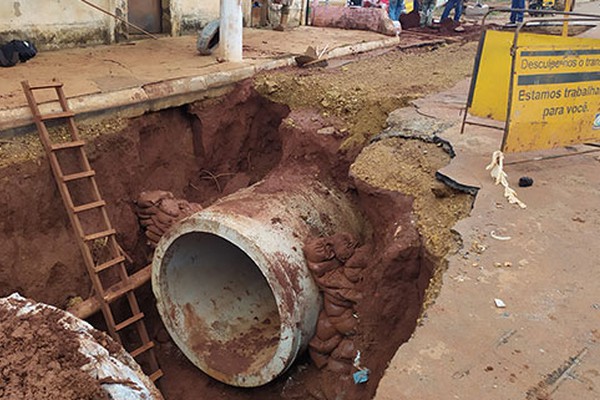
<point x="201" y="153"/>
<point x="392" y="283"/>
<point x="40" y="359"/>
<point x="39" y="257"/>
<point x="446" y="30"/>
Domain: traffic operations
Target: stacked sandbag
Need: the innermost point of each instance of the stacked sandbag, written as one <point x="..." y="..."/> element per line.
<point x="336" y="264"/>
<point x="158" y="210"/>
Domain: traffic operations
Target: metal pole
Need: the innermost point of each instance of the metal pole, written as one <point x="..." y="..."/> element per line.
<point x="230" y="31"/>
<point x="552" y="157"/>
<point x="565" y="29"/>
<point x="546" y="12"/>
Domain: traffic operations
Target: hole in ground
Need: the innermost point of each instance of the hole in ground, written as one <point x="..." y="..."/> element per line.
<point x="201" y="153"/>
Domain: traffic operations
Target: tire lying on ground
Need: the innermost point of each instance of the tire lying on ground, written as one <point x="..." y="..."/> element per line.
<point x="208" y="38"/>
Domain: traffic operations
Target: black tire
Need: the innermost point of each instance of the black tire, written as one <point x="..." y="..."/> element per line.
<point x="208" y="38"/>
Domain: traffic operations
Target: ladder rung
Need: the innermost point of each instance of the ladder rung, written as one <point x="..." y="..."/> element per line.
<point x="64" y="114"/>
<point x="67" y="145"/>
<point x="99" y="235"/>
<point x="108" y="264"/>
<point x="143" y="348"/>
<point x="46" y="86"/>
<point x="117" y="290"/>
<point x="79" y="175"/>
<point x="156" y="375"/>
<point x="129" y="321"/>
<point x="89" y="206"/>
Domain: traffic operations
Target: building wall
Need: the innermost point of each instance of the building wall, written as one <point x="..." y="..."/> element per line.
<point x="196" y="14"/>
<point x="53" y="24"/>
<point x="56" y="23"/>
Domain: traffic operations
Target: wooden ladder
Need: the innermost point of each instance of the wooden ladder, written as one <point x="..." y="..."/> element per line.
<point x="96" y="238"/>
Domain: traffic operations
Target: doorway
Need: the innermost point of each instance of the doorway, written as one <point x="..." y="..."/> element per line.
<point x="146" y="14"/>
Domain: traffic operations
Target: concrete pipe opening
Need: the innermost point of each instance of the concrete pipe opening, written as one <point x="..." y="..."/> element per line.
<point x="227" y="304"/>
<point x="232" y="285"/>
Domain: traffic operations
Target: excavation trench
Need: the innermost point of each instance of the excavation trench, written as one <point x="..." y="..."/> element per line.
<point x="266" y="168"/>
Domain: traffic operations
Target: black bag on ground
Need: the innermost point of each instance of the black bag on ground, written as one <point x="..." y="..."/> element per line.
<point x="16" y="50"/>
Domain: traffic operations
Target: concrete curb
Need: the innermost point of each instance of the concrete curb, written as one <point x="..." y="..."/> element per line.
<point x="155" y="96"/>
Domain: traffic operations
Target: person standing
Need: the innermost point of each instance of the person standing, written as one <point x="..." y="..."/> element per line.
<point x="285" y="13"/>
<point x="517" y="16"/>
<point x="395" y="10"/>
<point x="427" y="13"/>
<point x="457" y="5"/>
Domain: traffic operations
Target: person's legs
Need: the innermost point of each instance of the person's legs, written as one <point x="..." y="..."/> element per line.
<point x="513" y="14"/>
<point x="426" y="12"/>
<point x="458" y="10"/>
<point x="520" y="4"/>
<point x="264" y="13"/>
<point x="447" y="9"/>
<point x="395" y="9"/>
<point x="423" y="12"/>
<point x="285" y="12"/>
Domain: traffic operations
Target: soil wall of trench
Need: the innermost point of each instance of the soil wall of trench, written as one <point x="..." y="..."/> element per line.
<point x="201" y="152"/>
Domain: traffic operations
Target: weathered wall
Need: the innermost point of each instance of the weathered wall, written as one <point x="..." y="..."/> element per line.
<point x="195" y="14"/>
<point x="297" y="10"/>
<point x="56" y="23"/>
<point x="53" y="24"/>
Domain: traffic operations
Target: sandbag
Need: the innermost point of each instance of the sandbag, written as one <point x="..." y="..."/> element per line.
<point x="319" y="250"/>
<point x="343" y="245"/>
<point x="158" y="210"/>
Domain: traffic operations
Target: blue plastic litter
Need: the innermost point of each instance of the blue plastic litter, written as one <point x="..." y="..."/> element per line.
<point x="361" y="376"/>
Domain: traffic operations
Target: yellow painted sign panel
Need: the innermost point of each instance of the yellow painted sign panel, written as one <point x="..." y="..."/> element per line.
<point x="555" y="97"/>
<point x="491" y="73"/>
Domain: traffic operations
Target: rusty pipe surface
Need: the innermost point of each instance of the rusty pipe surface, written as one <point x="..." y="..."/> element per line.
<point x="231" y="282"/>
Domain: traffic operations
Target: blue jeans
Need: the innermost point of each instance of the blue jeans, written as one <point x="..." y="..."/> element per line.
<point x="395" y="9"/>
<point x="458" y="6"/>
<point x="517" y="16"/>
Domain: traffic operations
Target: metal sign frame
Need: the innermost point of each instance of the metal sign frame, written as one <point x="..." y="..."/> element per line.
<point x="567" y="17"/>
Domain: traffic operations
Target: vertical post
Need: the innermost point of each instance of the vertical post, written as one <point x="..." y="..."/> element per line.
<point x="565" y="29"/>
<point x="230" y="30"/>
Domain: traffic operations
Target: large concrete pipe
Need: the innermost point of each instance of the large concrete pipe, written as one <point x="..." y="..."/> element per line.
<point x="231" y="282"/>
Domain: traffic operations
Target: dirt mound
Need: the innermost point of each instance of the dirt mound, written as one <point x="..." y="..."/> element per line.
<point x="362" y="91"/>
<point x="435" y="205"/>
<point x="40" y="359"/>
<point x="411" y="167"/>
<point x="49" y="354"/>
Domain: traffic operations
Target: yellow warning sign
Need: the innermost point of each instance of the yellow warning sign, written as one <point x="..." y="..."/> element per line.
<point x="555" y="97"/>
<point x="491" y="73"/>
